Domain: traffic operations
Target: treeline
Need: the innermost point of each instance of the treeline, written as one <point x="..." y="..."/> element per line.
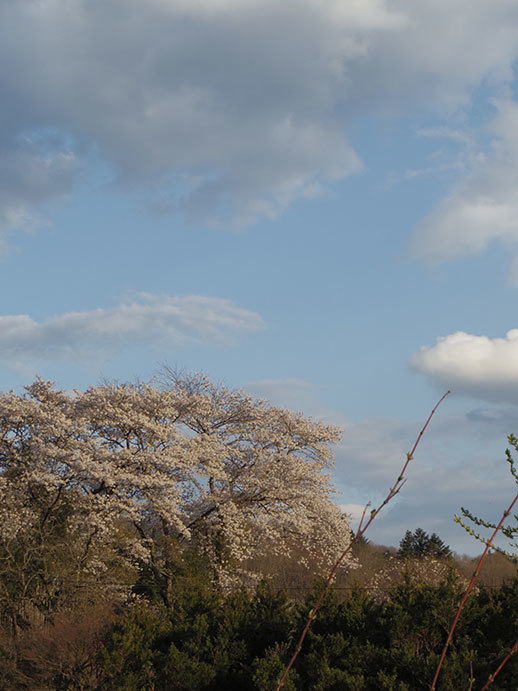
<point x="136" y="522"/>
<point x="206" y="639"/>
<point x="378" y="568"/>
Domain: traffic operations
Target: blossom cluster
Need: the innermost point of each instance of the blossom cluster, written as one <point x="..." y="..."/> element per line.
<point x="129" y="463"/>
<point x="427" y="570"/>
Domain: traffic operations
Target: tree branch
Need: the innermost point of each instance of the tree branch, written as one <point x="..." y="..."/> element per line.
<point x="470" y="586"/>
<point x="361" y="531"/>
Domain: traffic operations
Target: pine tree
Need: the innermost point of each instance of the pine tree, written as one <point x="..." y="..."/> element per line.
<point x="419" y="544"/>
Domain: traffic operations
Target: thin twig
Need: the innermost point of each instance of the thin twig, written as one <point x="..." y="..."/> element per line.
<point x="470" y="586"/>
<point x="506" y="659"/>
<point x="471" y="677"/>
<point x="360" y="532"/>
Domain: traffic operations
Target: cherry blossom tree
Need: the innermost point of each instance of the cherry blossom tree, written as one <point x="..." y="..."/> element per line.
<point x="121" y="468"/>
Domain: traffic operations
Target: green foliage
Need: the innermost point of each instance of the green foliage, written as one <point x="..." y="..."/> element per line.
<point x="133" y="650"/>
<point x="206" y="641"/>
<point x="358" y="644"/>
<point x="491" y="620"/>
<point x="267" y="671"/>
<point x="508" y="530"/>
<point x="419" y="544"/>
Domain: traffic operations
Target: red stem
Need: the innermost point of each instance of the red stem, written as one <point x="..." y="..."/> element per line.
<point x="471" y="678"/>
<point x="506" y="659"/>
<point x="470" y="586"/>
<point x="360" y="532"/>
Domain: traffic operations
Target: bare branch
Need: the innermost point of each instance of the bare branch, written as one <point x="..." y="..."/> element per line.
<point x="491" y="679"/>
<point x="470" y="586"/>
<point x="361" y="531"/>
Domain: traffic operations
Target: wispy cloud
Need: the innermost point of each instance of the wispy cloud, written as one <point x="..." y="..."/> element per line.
<point x="156" y="320"/>
<point x="31" y="177"/>
<point x="296" y="394"/>
<point x="482" y="207"/>
<point x="455" y="135"/>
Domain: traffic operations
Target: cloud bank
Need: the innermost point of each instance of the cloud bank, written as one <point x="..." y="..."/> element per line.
<point x="229" y="111"/>
<point x="482" y="207"/>
<point x="478" y="366"/>
<point x="459" y="462"/>
<point x="156" y="320"/>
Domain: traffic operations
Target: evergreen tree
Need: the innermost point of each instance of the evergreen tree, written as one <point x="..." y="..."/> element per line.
<point x="419" y="544"/>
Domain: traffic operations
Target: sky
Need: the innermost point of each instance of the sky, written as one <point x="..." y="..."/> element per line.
<point x="311" y="200"/>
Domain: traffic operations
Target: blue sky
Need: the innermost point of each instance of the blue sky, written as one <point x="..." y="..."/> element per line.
<point x="311" y="200"/>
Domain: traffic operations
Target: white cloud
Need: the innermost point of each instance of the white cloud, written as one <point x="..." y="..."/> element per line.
<point x="478" y="366"/>
<point x="482" y="207"/>
<point x="231" y="110"/>
<point x="157" y="320"/>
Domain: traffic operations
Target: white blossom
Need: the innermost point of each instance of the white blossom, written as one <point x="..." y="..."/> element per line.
<point x="236" y="476"/>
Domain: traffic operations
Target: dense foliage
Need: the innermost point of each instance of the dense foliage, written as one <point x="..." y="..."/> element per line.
<point x="208" y="641"/>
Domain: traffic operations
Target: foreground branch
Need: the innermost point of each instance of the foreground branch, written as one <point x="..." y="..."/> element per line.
<point x="470" y="586"/>
<point x="491" y="679"/>
<point x="359" y="533"/>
